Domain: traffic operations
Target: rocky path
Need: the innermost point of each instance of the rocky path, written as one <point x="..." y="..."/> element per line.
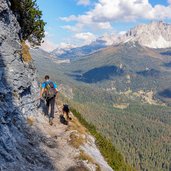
<point x="67" y="147"/>
<point x="54" y="141"/>
<point x="62" y="155"/>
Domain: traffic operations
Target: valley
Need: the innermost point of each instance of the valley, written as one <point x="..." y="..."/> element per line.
<point x="124" y="90"/>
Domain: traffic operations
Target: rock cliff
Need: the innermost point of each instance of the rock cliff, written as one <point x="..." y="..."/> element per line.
<point x="152" y="35"/>
<point x="18" y="93"/>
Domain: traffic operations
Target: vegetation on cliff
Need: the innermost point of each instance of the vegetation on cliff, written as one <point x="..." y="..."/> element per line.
<point x="30" y="19"/>
<point x="111" y="154"/>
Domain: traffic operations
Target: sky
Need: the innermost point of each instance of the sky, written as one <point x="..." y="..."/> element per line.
<point x="79" y="22"/>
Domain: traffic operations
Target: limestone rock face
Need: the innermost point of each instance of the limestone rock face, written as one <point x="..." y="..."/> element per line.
<point x="17" y="78"/>
<point x="152" y="35"/>
<point x="18" y="93"/>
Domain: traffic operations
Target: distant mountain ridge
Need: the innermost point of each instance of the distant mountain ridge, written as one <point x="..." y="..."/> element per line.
<point x="73" y="53"/>
<point x="152" y="35"/>
<point x="156" y="34"/>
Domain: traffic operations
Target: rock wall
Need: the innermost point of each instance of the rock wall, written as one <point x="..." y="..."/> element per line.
<point x="18" y="94"/>
<point x="156" y="34"/>
<point x="18" y="79"/>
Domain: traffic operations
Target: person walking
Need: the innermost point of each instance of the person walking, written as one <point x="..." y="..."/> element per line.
<point x="48" y="92"/>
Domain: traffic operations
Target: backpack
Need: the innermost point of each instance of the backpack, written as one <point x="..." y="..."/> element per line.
<point x="50" y="91"/>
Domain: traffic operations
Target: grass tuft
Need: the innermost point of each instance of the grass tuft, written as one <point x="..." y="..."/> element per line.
<point x="25" y="52"/>
<point x="76" y="140"/>
<point x="75" y="125"/>
<point x="84" y="156"/>
<point x="30" y="120"/>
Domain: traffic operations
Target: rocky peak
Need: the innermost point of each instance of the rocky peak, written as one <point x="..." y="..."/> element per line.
<point x="153" y="35"/>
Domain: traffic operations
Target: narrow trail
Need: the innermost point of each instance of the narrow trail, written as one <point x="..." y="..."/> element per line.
<point x="55" y="143"/>
<point x="62" y="144"/>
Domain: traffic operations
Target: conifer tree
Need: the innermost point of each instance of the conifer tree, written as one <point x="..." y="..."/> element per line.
<point x="30" y="19"/>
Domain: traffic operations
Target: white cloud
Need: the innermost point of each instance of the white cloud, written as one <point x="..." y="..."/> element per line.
<point x="128" y="10"/>
<point x="47" y="45"/>
<point x="86" y="37"/>
<point x="107" y="38"/>
<point x="105" y="12"/>
<point x="83" y="2"/>
<point x="71" y="28"/>
<point x="64" y="45"/>
<point x="84" y="21"/>
<point x="122" y="32"/>
<point x="160" y="12"/>
<point x="70" y="18"/>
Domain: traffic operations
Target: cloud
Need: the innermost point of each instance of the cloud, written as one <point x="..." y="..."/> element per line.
<point x="128" y="10"/>
<point x="84" y="22"/>
<point x="104" y="12"/>
<point x="64" y="45"/>
<point x="83" y="2"/>
<point x="72" y="28"/>
<point x="77" y="40"/>
<point x="48" y="45"/>
<point x="107" y="39"/>
<point x="160" y="12"/>
<point x="70" y="18"/>
<point x="122" y="32"/>
<point x="87" y="37"/>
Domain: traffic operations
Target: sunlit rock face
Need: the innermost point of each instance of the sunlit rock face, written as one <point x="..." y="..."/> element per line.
<point x="153" y="35"/>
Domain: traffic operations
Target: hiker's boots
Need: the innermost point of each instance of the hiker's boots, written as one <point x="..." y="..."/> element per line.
<point x="51" y="121"/>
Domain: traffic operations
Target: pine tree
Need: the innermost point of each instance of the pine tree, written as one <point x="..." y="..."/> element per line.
<point x="29" y="18"/>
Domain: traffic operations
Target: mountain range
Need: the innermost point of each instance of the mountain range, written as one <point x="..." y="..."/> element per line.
<point x="124" y="89"/>
<point x="152" y="35"/>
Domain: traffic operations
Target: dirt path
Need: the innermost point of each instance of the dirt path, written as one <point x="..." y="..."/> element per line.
<point x="67" y="147"/>
<point x="56" y="145"/>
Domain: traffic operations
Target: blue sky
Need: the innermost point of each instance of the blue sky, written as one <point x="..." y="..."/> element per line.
<point x="81" y="21"/>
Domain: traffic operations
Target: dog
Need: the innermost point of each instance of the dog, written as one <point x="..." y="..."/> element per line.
<point x="66" y="111"/>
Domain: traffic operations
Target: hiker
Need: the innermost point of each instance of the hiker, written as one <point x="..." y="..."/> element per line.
<point x="48" y="92"/>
